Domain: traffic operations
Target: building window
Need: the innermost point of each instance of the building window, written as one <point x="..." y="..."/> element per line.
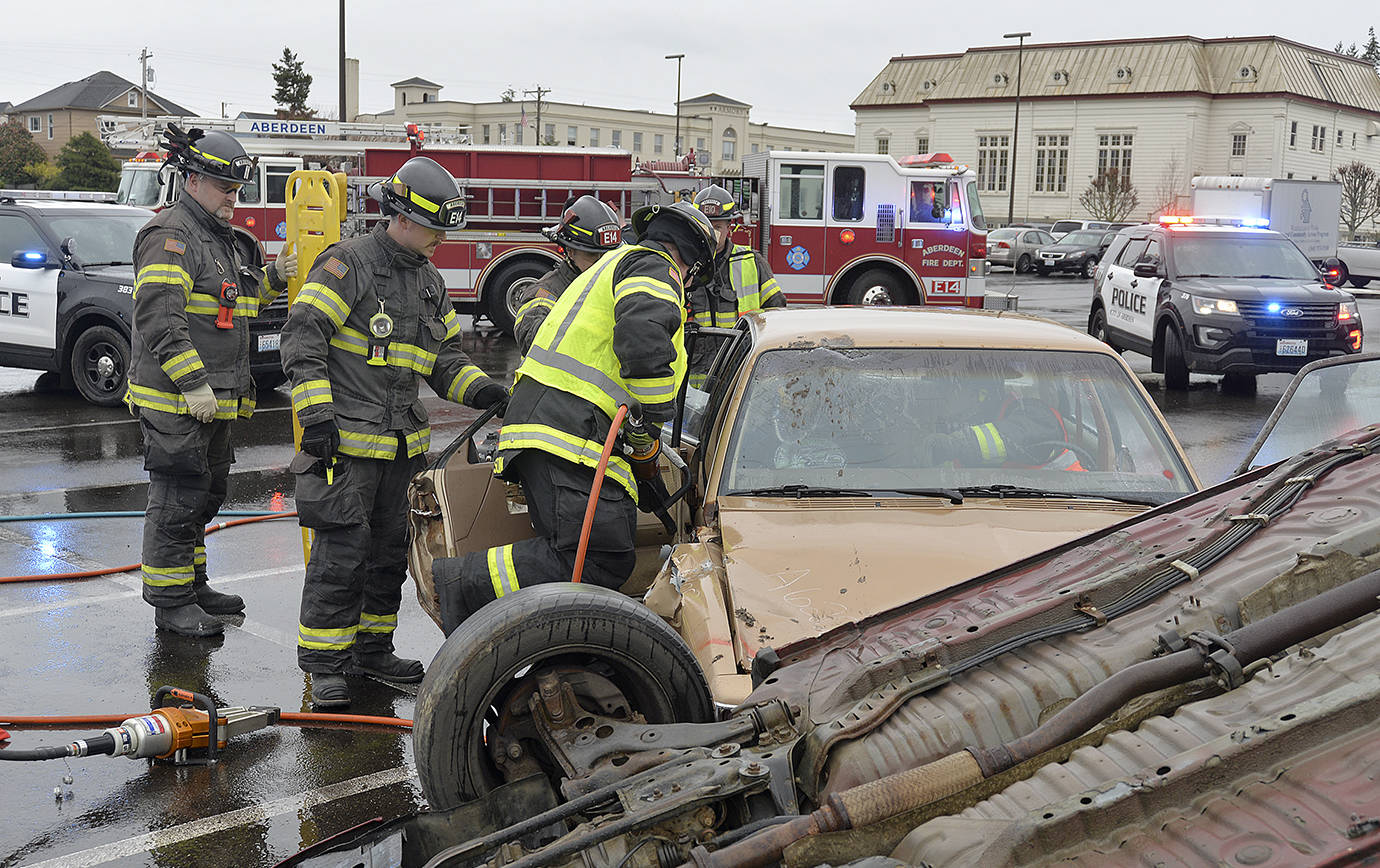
<point x="637" y="143"/>
<point x="993" y="153"/>
<point x="35" y="124"/>
<point x="426" y="97"/>
<point x="922" y="143"/>
<point x="658" y="142"/>
<point x="1114" y="153"/>
<point x="594" y="137"/>
<point x="1051" y="163"/>
<point x="1289" y="175"/>
<point x="517" y="133"/>
<point x="1339" y="137"/>
<point x="503" y="134"/>
<point x="50" y="127"/>
<point x="484" y="134"/>
<point x="730" y="151"/>
<point x="616" y="138"/>
<point x="754" y="147"/>
<point x="570" y="134"/>
<point x="883" y="144"/>
<point x="1319" y="140"/>
<point x="1293" y="133"/>
<point x="1353" y="141"/>
<point x="1238" y="144"/>
<point x="699" y="143"/>
<point x="133" y="99"/>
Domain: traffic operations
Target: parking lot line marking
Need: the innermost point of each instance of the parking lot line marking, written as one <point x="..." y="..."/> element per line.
<point x="135" y="590"/>
<point x="230" y="820"/>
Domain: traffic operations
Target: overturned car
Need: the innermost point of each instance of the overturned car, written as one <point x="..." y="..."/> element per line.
<point x="1193" y="685"/>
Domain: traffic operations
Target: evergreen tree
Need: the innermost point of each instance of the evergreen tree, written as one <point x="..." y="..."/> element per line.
<point x="1371" y="51"/>
<point x="86" y="164"/>
<point x="18" y="150"/>
<point x="294" y="86"/>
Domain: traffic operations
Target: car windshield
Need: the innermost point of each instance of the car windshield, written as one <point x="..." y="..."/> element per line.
<point x="1066" y="226"/>
<point x="1240" y="255"/>
<point x="101" y="238"/>
<point x="1080" y="239"/>
<point x="138" y="186"/>
<point x="899" y="420"/>
<point x="1323" y="404"/>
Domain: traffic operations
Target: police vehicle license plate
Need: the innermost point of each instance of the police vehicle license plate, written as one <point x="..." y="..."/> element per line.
<point x="270" y="342"/>
<point x="1283" y="347"/>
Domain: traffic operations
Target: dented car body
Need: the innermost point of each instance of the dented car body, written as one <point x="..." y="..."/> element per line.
<point x="1194" y="685"/>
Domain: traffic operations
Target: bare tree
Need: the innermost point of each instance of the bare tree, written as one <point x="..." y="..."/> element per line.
<point x="1169" y="188"/>
<point x="1109" y="197"/>
<point x="1360" y="194"/>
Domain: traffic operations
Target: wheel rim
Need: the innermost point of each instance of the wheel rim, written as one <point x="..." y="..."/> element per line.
<point x="104" y="368"/>
<point x="876" y="295"/>
<point x="510" y="298"/>
<point x="1100" y="326"/>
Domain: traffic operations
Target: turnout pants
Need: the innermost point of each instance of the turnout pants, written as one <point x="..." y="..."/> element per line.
<point x="354" y="580"/>
<point x="189" y="469"/>
<point x="557" y="493"/>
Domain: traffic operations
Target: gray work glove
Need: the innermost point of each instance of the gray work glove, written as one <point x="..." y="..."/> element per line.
<point x="201" y="403"/>
<point x="286" y="264"/>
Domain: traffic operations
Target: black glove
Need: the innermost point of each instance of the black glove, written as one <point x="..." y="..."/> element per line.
<point x="321" y="439"/>
<point x="490" y="396"/>
<point x="934" y="449"/>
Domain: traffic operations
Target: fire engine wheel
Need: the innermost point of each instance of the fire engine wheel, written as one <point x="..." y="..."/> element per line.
<point x="503" y="293"/>
<point x="878" y="286"/>
<point x="1175" y="365"/>
<point x="99" y="365"/>
<point x="472" y="716"/>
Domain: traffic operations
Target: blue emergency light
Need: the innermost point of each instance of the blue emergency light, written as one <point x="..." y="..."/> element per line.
<point x="1272" y="307"/>
<point x="33" y="256"/>
<point x="1257" y="222"/>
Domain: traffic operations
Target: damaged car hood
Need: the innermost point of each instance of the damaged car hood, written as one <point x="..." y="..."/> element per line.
<point x="800" y="568"/>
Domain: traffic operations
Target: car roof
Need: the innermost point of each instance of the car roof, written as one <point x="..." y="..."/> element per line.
<point x="794" y="327"/>
<point x="93" y="207"/>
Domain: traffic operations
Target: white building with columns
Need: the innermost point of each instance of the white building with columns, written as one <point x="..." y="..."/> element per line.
<point x="1165" y="108"/>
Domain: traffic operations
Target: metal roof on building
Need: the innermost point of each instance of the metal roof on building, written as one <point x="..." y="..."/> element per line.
<point x="1178" y="64"/>
<point x="94" y="92"/>
<point x="415" y="81"/>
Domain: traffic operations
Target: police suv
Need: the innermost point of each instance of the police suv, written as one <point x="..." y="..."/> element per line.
<point x="67" y="293"/>
<point x="1217" y="297"/>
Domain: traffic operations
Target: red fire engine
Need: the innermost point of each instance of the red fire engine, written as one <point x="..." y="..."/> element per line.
<point x="867" y="229"/>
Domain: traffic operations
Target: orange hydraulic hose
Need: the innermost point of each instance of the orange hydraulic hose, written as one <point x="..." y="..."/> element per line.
<point x="594" y="492"/>
<point x="87" y="574"/>
<point x="293" y="717"/>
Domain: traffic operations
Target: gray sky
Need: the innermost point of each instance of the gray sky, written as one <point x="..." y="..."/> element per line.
<point x="797" y="63"/>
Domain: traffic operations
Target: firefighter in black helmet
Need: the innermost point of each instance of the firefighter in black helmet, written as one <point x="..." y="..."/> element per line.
<point x="615" y="336"/>
<point x="588" y="229"/>
<point x="197" y="280"/>
<point x="371" y="321"/>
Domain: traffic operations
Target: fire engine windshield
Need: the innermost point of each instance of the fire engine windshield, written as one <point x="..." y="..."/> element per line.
<point x="975" y="217"/>
<point x="890" y="420"/>
<point x="139" y="186"/>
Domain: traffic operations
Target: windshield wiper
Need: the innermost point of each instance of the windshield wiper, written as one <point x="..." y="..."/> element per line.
<point x="953" y="495"/>
<point x="112" y="262"/>
<point x="1005" y="491"/>
<point x="799" y="490"/>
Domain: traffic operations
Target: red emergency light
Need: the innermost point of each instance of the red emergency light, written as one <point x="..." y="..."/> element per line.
<point x="147" y="157"/>
<point x="925" y="160"/>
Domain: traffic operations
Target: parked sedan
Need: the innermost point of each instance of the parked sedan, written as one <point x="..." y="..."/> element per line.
<point x="1016" y="247"/>
<point x="1076" y="251"/>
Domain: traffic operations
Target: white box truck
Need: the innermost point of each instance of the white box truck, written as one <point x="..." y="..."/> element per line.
<point x="1308" y="213"/>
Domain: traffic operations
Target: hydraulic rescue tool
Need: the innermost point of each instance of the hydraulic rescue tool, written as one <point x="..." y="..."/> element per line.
<point x="166" y="733"/>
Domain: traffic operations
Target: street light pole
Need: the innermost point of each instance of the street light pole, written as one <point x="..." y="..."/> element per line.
<point x="1016" y="125"/>
<point x="677" y="58"/>
<point x="341" y="115"/>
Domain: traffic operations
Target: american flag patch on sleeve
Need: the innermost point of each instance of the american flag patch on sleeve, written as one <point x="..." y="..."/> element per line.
<point x="172" y="245"/>
<point x="336" y="267"/>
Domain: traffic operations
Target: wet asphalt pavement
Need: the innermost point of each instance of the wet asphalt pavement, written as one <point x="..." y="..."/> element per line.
<point x="88" y="647"/>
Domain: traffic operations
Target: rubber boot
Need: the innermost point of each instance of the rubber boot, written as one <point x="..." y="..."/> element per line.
<point x="329" y="690"/>
<point x="215" y="602"/>
<point x="388" y="666"/>
<point x="188" y="620"/>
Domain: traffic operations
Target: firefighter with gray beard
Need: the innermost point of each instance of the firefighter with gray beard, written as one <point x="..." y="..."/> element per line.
<point x="371" y="321"/>
<point x="197" y="280"/>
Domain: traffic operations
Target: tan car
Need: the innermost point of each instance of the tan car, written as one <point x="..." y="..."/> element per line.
<point x="819" y="494"/>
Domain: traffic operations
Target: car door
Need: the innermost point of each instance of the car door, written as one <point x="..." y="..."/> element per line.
<point x="1128" y="308"/>
<point x="28" y="295"/>
<point x="796" y="255"/>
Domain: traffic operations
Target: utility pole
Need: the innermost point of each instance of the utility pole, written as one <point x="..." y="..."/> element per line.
<point x="539" y="92"/>
<point x="144" y="83"/>
<point x="1016" y="125"/>
<point x="677" y="58"/>
<point x="341" y="115"/>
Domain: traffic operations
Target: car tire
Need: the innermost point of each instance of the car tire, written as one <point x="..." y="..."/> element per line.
<point x="1089" y="267"/>
<point x="1343" y="273"/>
<point x="500" y="296"/>
<point x="1097" y="327"/>
<point x="99" y="365"/>
<point x="879" y="287"/>
<point x="1239" y="384"/>
<point x="582" y="627"/>
<point x="1175" y="365"/>
<point x="1358" y="282"/>
<point x="269" y="380"/>
<point x="1024" y="265"/>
